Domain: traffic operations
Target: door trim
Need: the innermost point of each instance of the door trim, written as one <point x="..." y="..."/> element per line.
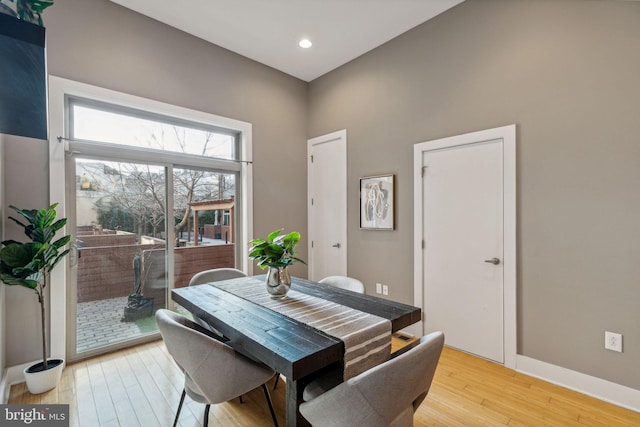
<point x="340" y="135"/>
<point x="508" y="135"/>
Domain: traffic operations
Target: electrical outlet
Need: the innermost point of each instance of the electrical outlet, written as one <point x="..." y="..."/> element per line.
<point x="613" y="341"/>
<point x="378" y="288"/>
<point x="385" y="290"/>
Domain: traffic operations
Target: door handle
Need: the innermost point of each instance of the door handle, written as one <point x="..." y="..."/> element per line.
<point x="494" y="261"/>
<point x="337" y="245"/>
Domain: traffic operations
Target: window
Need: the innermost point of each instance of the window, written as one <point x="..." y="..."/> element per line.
<point x="155" y="194"/>
<point x="101" y="122"/>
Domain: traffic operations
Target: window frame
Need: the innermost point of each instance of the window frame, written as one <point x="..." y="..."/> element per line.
<point x="60" y="91"/>
<point x="119" y="109"/>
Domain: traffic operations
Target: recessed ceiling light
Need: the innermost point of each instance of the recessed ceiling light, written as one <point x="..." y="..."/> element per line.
<point x="305" y="43"/>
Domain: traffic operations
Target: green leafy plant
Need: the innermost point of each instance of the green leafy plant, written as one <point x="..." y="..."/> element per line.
<point x="276" y="251"/>
<point x="30" y="264"/>
<point x="26" y="10"/>
<point x="31" y="10"/>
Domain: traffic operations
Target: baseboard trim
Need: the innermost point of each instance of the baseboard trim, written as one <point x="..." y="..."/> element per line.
<point x="13" y="375"/>
<point x="607" y="391"/>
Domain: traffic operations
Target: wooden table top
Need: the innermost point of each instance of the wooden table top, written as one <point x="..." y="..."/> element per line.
<point x="292" y="348"/>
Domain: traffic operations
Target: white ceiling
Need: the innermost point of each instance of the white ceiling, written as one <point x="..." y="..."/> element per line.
<point x="268" y="31"/>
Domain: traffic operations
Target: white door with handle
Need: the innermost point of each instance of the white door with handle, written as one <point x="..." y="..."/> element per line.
<point x="466" y="243"/>
<point x="327" y="205"/>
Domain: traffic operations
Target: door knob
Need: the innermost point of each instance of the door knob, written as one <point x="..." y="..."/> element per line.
<point x="494" y="261"/>
<point x="337" y="245"/>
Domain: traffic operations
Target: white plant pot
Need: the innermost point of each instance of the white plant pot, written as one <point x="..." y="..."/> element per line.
<point x="39" y="382"/>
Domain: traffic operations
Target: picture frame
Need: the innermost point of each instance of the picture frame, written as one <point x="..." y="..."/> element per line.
<point x="377" y="202"/>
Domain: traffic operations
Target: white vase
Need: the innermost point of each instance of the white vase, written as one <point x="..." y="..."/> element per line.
<point x="40" y="381"/>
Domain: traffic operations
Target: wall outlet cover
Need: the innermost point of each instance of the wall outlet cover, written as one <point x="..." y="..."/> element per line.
<point x="613" y="341"/>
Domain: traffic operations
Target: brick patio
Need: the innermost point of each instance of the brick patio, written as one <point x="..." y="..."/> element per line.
<point x="98" y="324"/>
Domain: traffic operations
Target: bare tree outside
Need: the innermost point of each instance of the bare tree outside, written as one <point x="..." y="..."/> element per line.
<point x="139" y="190"/>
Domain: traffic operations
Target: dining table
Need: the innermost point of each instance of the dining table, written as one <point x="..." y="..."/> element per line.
<point x="295" y="349"/>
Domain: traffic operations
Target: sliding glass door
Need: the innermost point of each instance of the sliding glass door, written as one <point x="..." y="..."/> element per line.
<point x="148" y="207"/>
<point x="121" y="269"/>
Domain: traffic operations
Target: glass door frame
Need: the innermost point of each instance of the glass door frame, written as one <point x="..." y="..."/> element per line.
<point x="132" y="157"/>
<point x="72" y="282"/>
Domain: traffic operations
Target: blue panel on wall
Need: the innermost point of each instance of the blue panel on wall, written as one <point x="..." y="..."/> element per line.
<point x="23" y="79"/>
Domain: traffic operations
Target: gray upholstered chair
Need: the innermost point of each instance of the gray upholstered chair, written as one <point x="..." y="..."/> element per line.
<point x="215" y="275"/>
<point x="384" y="396"/>
<point x="344" y="282"/>
<point x="213" y="371"/>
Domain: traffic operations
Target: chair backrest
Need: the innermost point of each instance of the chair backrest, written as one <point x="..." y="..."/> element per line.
<point x="386" y="395"/>
<point x="212" y="369"/>
<point x="344" y="282"/>
<point x="215" y="275"/>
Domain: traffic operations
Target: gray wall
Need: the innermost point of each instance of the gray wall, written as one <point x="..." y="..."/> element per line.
<point x="26" y="186"/>
<point x="103" y="44"/>
<point x="566" y="72"/>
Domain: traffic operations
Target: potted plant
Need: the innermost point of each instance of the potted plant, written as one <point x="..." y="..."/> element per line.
<point x="27" y="10"/>
<point x="29" y="264"/>
<point x="276" y="253"/>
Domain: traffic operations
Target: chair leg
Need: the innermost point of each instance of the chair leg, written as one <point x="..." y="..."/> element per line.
<point x="240" y="397"/>
<point x="206" y="415"/>
<point x="184" y="393"/>
<point x="275" y="384"/>
<point x="268" y="397"/>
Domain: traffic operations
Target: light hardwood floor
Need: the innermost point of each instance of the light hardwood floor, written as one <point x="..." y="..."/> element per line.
<point x="141" y="387"/>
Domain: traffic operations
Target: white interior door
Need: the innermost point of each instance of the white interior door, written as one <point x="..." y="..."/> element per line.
<point x="465" y="241"/>
<point x="327" y="203"/>
<point x="463" y="246"/>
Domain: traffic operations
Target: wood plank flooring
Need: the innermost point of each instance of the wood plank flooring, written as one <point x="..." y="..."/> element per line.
<point x="141" y="387"/>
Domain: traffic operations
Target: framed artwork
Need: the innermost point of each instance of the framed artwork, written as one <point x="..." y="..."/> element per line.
<point x="377" y="208"/>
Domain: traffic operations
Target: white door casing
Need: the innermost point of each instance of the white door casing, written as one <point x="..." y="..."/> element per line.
<point x="327" y="205"/>
<point x="473" y="300"/>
